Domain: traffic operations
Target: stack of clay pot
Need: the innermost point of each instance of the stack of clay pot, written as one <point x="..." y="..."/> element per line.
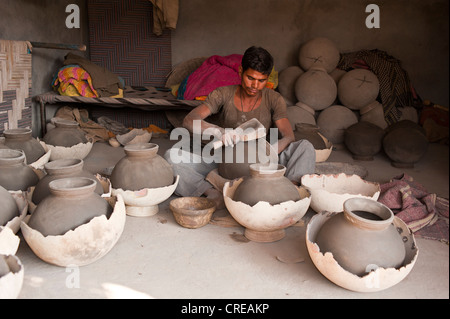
<point x="143" y="178"/>
<point x="67" y="140"/>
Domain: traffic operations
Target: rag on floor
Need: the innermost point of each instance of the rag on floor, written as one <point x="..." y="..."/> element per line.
<point x="425" y="214"/>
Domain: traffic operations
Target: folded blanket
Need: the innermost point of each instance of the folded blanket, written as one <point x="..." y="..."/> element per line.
<point x="72" y="80"/>
<point x="424" y="213"/>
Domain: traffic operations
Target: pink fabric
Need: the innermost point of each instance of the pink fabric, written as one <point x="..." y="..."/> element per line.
<point x="215" y="72"/>
<point x="424" y="213"/>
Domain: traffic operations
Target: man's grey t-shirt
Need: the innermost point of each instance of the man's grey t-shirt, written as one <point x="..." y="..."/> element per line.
<point x="272" y="107"/>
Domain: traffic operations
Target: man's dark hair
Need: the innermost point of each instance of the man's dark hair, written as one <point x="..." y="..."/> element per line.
<point x="258" y="59"/>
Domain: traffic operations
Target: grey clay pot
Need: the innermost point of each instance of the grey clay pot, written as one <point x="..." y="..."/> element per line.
<point x="21" y="139"/>
<point x="15" y="175"/>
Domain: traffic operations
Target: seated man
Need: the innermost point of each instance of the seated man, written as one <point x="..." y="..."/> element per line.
<point x="235" y="105"/>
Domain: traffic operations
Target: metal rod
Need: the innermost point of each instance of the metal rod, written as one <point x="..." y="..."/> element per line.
<point x="60" y="46"/>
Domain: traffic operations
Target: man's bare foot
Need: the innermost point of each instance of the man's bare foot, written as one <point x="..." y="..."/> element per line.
<point x="216" y="196"/>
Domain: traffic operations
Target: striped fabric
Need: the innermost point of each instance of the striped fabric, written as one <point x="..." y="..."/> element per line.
<point x="121" y="40"/>
<point x="395" y="86"/>
<point x="15" y="85"/>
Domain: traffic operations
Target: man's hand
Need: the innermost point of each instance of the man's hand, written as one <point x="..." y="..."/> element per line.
<point x="230" y="138"/>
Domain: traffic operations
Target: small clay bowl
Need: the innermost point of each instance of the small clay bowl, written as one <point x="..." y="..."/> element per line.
<point x="192" y="212"/>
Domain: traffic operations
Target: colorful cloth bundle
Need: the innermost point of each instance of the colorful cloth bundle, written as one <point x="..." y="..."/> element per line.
<point x="72" y="80"/>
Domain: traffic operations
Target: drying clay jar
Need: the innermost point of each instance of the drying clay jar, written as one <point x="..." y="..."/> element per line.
<point x="405" y="143"/>
<point x="266" y="183"/>
<point x="363" y="237"/>
<point x="364" y="140"/>
<point x="286" y="82"/>
<point x="66" y="134"/>
<point x="2" y="143"/>
<point x="358" y="88"/>
<point x="309" y="132"/>
<point x="15" y="175"/>
<point x="319" y="52"/>
<point x="236" y="160"/>
<point x="334" y="120"/>
<point x="297" y="114"/>
<point x="72" y="202"/>
<point x="21" y="139"/>
<point x="316" y="88"/>
<point x="61" y="168"/>
<point x="374" y="113"/>
<point x="141" y="168"/>
<point x="9" y="208"/>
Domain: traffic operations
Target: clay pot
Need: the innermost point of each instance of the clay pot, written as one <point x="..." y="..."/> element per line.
<point x="66" y="134"/>
<point x="21" y="139"/>
<point x="9" y="208"/>
<point x="319" y="52"/>
<point x="364" y="140"/>
<point x="72" y="202"/>
<point x="14" y="173"/>
<point x="286" y="82"/>
<point x="141" y="168"/>
<point x="363" y="237"/>
<point x="316" y="88"/>
<point x="304" y="131"/>
<point x="298" y="115"/>
<point x="61" y="169"/>
<point x="358" y="88"/>
<point x="2" y="142"/>
<point x="236" y="160"/>
<point x="334" y="120"/>
<point x="405" y="143"/>
<point x="192" y="212"/>
<point x="374" y="113"/>
<point x="266" y="183"/>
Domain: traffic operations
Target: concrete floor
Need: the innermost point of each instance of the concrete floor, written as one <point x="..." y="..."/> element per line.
<point x="157" y="258"/>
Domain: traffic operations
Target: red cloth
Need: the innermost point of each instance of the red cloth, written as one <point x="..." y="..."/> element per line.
<point x="216" y="71"/>
<point x="424" y="213"/>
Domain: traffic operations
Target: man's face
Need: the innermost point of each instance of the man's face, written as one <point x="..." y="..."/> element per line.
<point x="253" y="81"/>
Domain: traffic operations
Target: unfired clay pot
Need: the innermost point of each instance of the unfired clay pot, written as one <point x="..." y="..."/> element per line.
<point x="297" y="114"/>
<point x="236" y="160"/>
<point x="66" y="133"/>
<point x="316" y="88"/>
<point x="319" y="52"/>
<point x="141" y="168"/>
<point x="405" y="143"/>
<point x="266" y="183"/>
<point x="364" y="140"/>
<point x="72" y="202"/>
<point x="14" y="173"/>
<point x="363" y="237"/>
<point x="9" y="208"/>
<point x="358" y="88"/>
<point x="2" y="142"/>
<point x="286" y="82"/>
<point x="61" y="168"/>
<point x="304" y="131"/>
<point x="21" y="139"/>
<point x="250" y="206"/>
<point x="192" y="212"/>
<point x="334" y="120"/>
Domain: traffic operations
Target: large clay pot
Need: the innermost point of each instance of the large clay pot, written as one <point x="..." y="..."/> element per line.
<point x="72" y="202"/>
<point x="316" y="88"/>
<point x="9" y="208"/>
<point x="297" y="114"/>
<point x="364" y="140"/>
<point x="334" y="120"/>
<point x="15" y="175"/>
<point x="141" y="168"/>
<point x="61" y="168"/>
<point x="304" y="131"/>
<point x="236" y="160"/>
<point x="405" y="143"/>
<point x="319" y="52"/>
<point x="266" y="183"/>
<point x="2" y="142"/>
<point x="363" y="237"/>
<point x="21" y="139"/>
<point x="286" y="82"/>
<point x="358" y="88"/>
<point x="66" y="133"/>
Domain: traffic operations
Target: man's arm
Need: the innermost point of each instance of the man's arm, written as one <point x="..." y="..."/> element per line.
<point x="287" y="134"/>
